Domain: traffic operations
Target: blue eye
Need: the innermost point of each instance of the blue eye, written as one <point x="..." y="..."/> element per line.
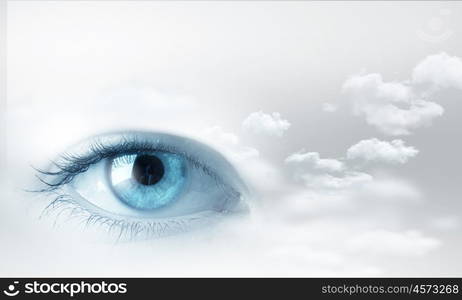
<point x="145" y="184"/>
<point x="149" y="180"/>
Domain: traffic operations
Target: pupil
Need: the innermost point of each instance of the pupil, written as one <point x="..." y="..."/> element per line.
<point x="148" y="169"/>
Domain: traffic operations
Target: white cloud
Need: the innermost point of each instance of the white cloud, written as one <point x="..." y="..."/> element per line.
<point x="327" y="181"/>
<point x="376" y="150"/>
<point x="308" y="203"/>
<point x="324" y="173"/>
<point x="439" y="70"/>
<point x="267" y="124"/>
<point x="389" y="190"/>
<point x="392" y="120"/>
<point x="377" y="90"/>
<point x="261" y="176"/>
<point x="384" y="242"/>
<point x="313" y="159"/>
<point x="246" y="159"/>
<point x="253" y="170"/>
<point x="329" y="107"/>
<point x="396" y="108"/>
<point x="391" y="107"/>
<point x="229" y="144"/>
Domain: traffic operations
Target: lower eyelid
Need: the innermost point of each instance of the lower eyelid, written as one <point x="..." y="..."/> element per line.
<point x="64" y="206"/>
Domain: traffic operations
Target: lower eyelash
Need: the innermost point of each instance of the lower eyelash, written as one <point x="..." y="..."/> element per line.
<point x="122" y="229"/>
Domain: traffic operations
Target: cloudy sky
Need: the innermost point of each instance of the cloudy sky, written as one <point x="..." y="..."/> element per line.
<point x="350" y="111"/>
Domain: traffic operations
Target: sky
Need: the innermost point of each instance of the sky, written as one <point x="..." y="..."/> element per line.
<point x="350" y="111"/>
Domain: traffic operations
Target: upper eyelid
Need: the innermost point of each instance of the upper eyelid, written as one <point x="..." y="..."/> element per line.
<point x="71" y="164"/>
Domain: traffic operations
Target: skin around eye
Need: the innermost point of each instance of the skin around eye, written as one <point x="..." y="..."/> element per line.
<point x="147" y="180"/>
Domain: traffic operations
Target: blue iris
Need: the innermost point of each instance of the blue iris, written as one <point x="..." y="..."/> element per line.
<point x="148" y="181"/>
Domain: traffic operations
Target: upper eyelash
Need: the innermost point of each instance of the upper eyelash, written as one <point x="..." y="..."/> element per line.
<point x="70" y="165"/>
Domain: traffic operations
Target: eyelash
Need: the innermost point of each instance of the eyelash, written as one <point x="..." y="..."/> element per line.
<point x="129" y="229"/>
<point x="71" y="165"/>
<point x="122" y="228"/>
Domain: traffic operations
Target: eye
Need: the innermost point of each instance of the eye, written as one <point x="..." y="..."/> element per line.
<point x="154" y="183"/>
<point x="148" y="180"/>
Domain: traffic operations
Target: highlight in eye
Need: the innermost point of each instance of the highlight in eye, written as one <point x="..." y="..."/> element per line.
<point x="149" y="184"/>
